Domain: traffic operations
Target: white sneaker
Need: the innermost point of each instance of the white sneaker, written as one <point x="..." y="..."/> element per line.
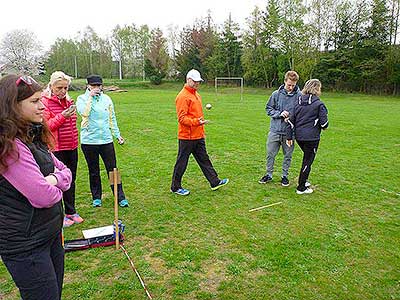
<point x="306" y="191"/>
<point x="307" y="184"/>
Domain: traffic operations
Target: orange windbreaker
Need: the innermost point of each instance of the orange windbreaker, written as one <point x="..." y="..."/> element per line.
<point x="189" y="109"/>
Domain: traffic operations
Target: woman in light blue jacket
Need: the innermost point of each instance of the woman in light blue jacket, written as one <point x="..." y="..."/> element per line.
<point x="98" y="127"/>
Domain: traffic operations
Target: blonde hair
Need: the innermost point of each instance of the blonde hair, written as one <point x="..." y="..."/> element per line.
<point x="312" y="87"/>
<point x="55" y="77"/>
<point x="58" y="76"/>
<point x="292" y="75"/>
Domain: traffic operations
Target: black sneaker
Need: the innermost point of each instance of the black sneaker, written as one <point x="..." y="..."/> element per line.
<point x="265" y="179"/>
<point x="285" y="181"/>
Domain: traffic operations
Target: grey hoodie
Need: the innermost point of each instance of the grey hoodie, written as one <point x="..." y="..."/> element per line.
<point x="279" y="101"/>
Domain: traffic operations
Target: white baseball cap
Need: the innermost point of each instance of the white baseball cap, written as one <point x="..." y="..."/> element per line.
<point x="194" y="75"/>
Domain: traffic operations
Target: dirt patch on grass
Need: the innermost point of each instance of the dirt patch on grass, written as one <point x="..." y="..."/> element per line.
<point x="212" y="276"/>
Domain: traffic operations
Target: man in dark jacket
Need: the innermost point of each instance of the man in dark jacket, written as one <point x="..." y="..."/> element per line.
<point x="279" y="107"/>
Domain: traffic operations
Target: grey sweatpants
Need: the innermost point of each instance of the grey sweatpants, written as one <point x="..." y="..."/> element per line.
<point x="274" y="141"/>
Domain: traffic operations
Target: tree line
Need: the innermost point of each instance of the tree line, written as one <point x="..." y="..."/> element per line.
<point x="350" y="45"/>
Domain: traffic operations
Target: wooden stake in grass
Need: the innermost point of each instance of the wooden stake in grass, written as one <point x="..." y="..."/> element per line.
<point x="265" y="206"/>
<point x="115" y="179"/>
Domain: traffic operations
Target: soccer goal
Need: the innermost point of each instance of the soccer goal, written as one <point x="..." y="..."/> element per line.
<point x="229" y="82"/>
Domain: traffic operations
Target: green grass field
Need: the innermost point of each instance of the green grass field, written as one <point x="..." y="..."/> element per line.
<point x="341" y="242"/>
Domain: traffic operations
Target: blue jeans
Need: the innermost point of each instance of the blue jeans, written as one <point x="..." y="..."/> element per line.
<point x="38" y="273"/>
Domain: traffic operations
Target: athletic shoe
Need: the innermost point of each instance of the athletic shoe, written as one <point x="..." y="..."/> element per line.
<point x="307" y="184"/>
<point x="76" y="218"/>
<point x="306" y="191"/>
<point x="67" y="222"/>
<point x="181" y="192"/>
<point x="221" y="183"/>
<point x="265" y="179"/>
<point x="96" y="202"/>
<point x="124" y="203"/>
<point x="285" y="181"/>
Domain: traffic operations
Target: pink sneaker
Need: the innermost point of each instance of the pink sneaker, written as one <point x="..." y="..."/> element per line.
<point x="75" y="218"/>
<point x="67" y="222"/>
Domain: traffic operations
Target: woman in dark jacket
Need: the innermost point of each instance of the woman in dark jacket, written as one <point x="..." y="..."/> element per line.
<point x="310" y="116"/>
<point x="32" y="181"/>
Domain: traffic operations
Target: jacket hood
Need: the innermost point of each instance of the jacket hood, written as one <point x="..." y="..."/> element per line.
<point x="307" y="99"/>
<point x="285" y="92"/>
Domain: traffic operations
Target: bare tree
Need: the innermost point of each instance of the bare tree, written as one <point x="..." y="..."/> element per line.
<point x="21" y="51"/>
<point x="394" y="20"/>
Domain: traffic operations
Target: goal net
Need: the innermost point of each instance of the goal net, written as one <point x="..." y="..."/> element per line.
<point x="229" y="85"/>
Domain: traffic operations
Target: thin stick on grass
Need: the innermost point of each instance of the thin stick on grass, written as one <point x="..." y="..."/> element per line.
<point x="265" y="206"/>
<point x="137" y="273"/>
<point x="390" y="192"/>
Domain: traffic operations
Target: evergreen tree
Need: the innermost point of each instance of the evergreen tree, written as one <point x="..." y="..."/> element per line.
<point x="62" y="56"/>
<point x="157" y="59"/>
<point x="188" y="57"/>
<point x="259" y="62"/>
<point x="226" y="59"/>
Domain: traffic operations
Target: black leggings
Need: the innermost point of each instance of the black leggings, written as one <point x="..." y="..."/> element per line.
<point x="309" y="149"/>
<point x="107" y="153"/>
<point x="70" y="159"/>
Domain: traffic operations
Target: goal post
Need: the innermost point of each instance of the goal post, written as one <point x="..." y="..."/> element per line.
<point x="236" y="79"/>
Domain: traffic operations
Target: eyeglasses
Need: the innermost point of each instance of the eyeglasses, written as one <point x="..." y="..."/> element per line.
<point x="28" y="80"/>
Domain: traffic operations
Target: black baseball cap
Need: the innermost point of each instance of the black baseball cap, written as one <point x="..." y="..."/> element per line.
<point x="94" y="80"/>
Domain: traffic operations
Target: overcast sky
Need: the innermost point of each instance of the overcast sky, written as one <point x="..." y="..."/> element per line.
<point x="52" y="19"/>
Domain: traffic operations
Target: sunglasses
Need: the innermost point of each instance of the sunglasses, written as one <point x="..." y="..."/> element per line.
<point x="28" y="80"/>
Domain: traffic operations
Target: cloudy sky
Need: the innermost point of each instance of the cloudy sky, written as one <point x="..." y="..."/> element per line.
<point x="52" y="19"/>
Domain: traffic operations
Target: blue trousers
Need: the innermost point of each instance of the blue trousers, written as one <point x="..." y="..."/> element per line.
<point x="38" y="273"/>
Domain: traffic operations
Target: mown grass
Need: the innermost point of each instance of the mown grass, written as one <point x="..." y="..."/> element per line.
<point x="341" y="242"/>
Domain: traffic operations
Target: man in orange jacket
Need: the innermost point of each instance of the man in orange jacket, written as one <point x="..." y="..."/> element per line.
<point x="191" y="136"/>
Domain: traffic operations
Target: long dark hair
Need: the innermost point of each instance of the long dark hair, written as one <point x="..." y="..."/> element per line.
<point x="12" y="125"/>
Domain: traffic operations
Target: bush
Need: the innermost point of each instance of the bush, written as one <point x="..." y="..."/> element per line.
<point x="155" y="79"/>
